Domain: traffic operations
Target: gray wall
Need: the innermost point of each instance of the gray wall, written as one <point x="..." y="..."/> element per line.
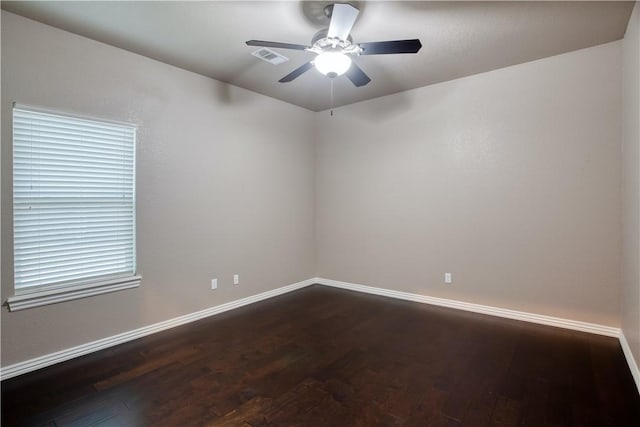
<point x="510" y="180"/>
<point x="223" y="185"/>
<point x="631" y="184"/>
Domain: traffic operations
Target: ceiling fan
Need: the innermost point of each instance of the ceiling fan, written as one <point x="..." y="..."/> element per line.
<point x="333" y="47"/>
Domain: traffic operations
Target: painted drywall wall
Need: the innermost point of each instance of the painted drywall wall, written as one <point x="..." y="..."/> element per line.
<point x="223" y="186"/>
<point x="510" y="180"/>
<point x="631" y="183"/>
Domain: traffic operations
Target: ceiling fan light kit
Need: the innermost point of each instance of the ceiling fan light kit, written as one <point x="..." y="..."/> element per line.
<point x="333" y="47"/>
<point x="332" y="64"/>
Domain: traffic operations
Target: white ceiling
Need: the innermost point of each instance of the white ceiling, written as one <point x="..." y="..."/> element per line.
<point x="458" y="38"/>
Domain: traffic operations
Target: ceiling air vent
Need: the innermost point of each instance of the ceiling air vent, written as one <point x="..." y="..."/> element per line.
<point x="269" y="56"/>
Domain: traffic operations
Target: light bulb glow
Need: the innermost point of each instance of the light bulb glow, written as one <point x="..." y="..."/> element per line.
<point x="332" y="64"/>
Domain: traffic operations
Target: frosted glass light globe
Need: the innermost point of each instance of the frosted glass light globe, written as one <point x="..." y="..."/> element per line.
<point x="332" y="64"/>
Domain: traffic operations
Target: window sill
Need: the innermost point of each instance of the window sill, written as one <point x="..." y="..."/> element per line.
<point x="53" y="296"/>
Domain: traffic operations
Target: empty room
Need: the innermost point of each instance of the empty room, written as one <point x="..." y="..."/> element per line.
<point x="310" y="213"/>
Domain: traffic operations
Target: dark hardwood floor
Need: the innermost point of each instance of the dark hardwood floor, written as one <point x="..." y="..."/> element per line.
<point x="327" y="357"/>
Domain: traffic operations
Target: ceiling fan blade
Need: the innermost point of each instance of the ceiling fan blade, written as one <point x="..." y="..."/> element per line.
<point x="394" y="46"/>
<point x="297" y="72"/>
<point x="276" y="44"/>
<point x="343" y="17"/>
<point x="357" y="76"/>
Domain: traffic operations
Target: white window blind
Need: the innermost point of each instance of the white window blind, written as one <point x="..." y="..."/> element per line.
<point x="73" y="199"/>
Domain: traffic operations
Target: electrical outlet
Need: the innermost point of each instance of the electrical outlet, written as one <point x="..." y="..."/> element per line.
<point x="447" y="277"/>
<point x="236" y="279"/>
<point x="214" y="283"/>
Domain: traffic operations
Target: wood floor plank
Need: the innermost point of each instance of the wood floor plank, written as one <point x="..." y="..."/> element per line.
<point x="327" y="357"/>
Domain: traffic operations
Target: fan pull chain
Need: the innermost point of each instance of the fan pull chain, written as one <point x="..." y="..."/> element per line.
<point x="331" y="97"/>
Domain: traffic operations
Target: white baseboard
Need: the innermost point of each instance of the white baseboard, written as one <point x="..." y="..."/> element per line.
<point x="477" y="308"/>
<point x="631" y="361"/>
<point x="80" y="350"/>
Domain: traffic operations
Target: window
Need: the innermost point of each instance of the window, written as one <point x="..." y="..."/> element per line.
<point x="73" y="207"/>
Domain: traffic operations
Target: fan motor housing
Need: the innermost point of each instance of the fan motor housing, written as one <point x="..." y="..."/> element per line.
<point x="322" y="34"/>
<point x="321" y="43"/>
